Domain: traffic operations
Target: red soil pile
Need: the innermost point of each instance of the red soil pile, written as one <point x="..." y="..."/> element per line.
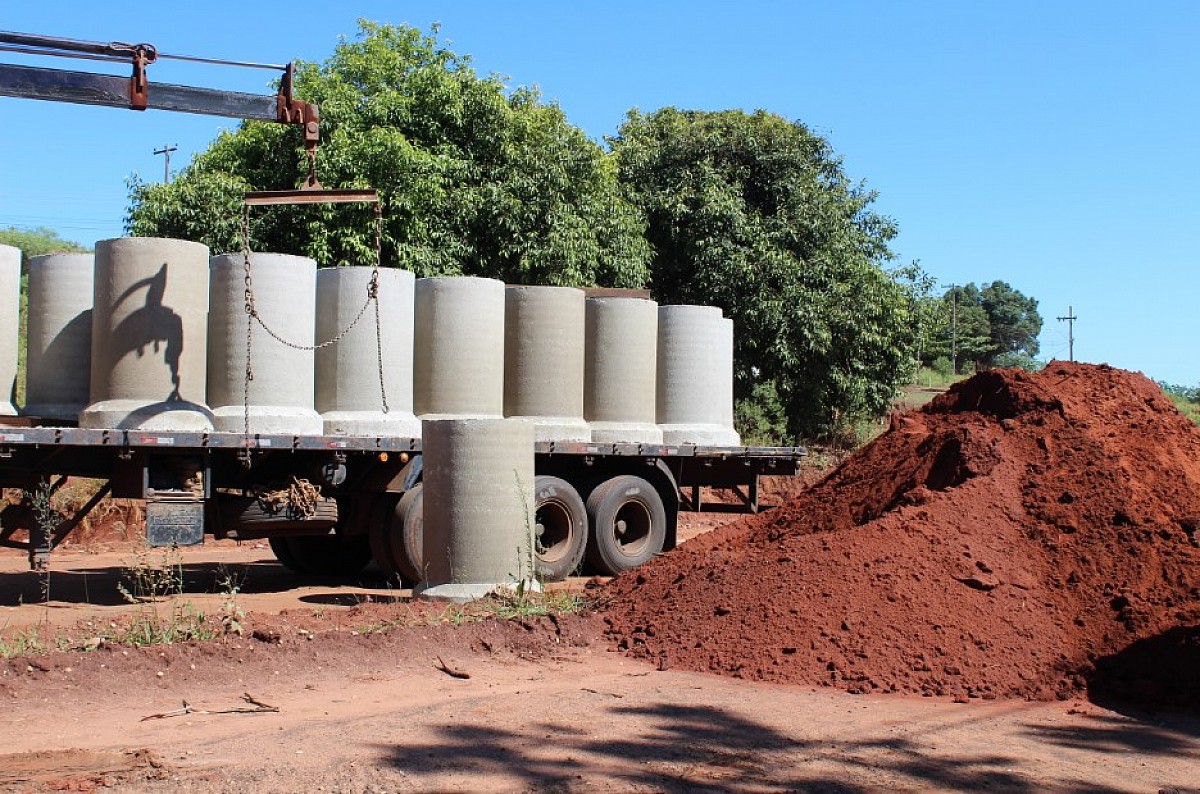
<point x="1024" y="535"/>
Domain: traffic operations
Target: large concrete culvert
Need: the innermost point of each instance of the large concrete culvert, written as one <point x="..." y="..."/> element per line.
<point x="149" y="336"/>
<point x="10" y="311"/>
<point x="349" y="395"/>
<point x="478" y="498"/>
<point x="543" y="361"/>
<point x="619" y="370"/>
<point x="58" y="360"/>
<point x="694" y="393"/>
<point x="458" y="352"/>
<point x="281" y="391"/>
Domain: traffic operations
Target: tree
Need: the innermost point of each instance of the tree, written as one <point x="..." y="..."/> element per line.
<point x="965" y="333"/>
<point x="997" y="326"/>
<point x="1013" y="319"/>
<point x="37" y="242"/>
<point x="475" y="179"/>
<point x="753" y="213"/>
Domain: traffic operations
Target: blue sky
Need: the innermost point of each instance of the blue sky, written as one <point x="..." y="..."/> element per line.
<point x="1052" y="145"/>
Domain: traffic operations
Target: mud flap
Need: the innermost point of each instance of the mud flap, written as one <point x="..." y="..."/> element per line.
<point x="171" y="523"/>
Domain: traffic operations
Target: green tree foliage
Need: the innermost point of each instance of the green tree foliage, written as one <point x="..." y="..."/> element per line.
<point x="1013" y="318"/>
<point x="996" y="326"/>
<point x="37" y="242"/>
<point x="925" y="309"/>
<point x="1186" y="398"/>
<point x="753" y="213"/>
<point x="475" y="179"/>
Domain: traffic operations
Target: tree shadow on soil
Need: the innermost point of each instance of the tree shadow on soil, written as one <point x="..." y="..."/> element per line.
<point x="701" y="748"/>
<point x="1150" y="736"/>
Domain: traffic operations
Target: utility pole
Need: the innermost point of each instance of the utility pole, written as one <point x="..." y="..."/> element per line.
<point x="954" y="329"/>
<point x="1070" y="319"/>
<point x="165" y="151"/>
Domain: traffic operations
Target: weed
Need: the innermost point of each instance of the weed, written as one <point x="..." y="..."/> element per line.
<point x="149" y="577"/>
<point x="527" y="573"/>
<point x="509" y="605"/>
<point x="42" y="501"/>
<point x="230" y="582"/>
<point x="182" y="623"/>
<point x="21" y="643"/>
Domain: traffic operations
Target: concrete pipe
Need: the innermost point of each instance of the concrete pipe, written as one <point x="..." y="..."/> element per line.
<point x="149" y="336"/>
<point x="543" y="361"/>
<point x="349" y="395"/>
<point x="281" y="393"/>
<point x="695" y="376"/>
<point x="58" y="358"/>
<point x="619" y="370"/>
<point x="458" y="352"/>
<point x="478" y="507"/>
<point x="10" y="313"/>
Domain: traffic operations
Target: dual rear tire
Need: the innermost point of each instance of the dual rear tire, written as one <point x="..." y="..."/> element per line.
<point x="622" y="525"/>
<point x="629" y="524"/>
<point x="397" y="532"/>
<point x="322" y="555"/>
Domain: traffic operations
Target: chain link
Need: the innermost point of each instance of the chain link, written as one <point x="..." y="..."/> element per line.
<point x="298" y="501"/>
<point x="373" y="291"/>
<point x="250" y="313"/>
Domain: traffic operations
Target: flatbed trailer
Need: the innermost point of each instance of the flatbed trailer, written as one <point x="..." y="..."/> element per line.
<point x="331" y="504"/>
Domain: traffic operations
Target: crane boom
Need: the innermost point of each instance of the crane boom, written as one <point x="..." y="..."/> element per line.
<point x="87" y="88"/>
<point x="137" y="93"/>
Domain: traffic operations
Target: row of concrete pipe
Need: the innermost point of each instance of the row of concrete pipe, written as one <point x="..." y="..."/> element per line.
<point x="151" y="334"/>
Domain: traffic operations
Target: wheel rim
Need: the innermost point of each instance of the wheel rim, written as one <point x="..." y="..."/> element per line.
<point x="552" y="531"/>
<point x="632" y="527"/>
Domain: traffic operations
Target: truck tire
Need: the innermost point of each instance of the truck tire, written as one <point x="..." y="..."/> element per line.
<point x="560" y="528"/>
<point x="329" y="555"/>
<point x="379" y="534"/>
<point x="408" y="535"/>
<point x="629" y="524"/>
<point x="283" y="552"/>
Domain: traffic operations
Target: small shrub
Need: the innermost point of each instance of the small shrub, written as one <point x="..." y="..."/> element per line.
<point x="760" y="419"/>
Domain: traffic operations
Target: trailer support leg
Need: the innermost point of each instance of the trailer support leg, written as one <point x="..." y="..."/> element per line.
<point x="39" y="548"/>
<point x="42" y="541"/>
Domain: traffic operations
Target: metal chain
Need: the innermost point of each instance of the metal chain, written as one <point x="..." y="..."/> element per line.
<point x="374" y="292"/>
<point x="250" y="313"/>
<point x="299" y="500"/>
<point x="327" y="343"/>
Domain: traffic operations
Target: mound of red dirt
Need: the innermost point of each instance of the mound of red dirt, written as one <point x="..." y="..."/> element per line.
<point x="1017" y="537"/>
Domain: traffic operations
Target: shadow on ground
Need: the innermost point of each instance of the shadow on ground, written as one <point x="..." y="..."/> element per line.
<point x="701" y="748"/>
<point x="102" y="586"/>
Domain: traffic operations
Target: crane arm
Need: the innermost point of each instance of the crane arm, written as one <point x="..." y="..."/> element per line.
<point x="137" y="93"/>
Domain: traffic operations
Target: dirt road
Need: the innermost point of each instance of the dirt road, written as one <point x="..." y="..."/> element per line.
<point x="547" y="707"/>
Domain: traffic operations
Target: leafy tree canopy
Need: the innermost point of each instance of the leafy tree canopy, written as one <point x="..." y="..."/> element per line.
<point x="475" y="179"/>
<point x="755" y="214"/>
<point x="1013" y="317"/>
<point x="996" y="326"/>
<point x="37" y="242"/>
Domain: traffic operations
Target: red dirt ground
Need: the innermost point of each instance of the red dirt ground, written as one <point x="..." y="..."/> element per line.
<point x="1029" y="536"/>
<point x="1025" y="536"/>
